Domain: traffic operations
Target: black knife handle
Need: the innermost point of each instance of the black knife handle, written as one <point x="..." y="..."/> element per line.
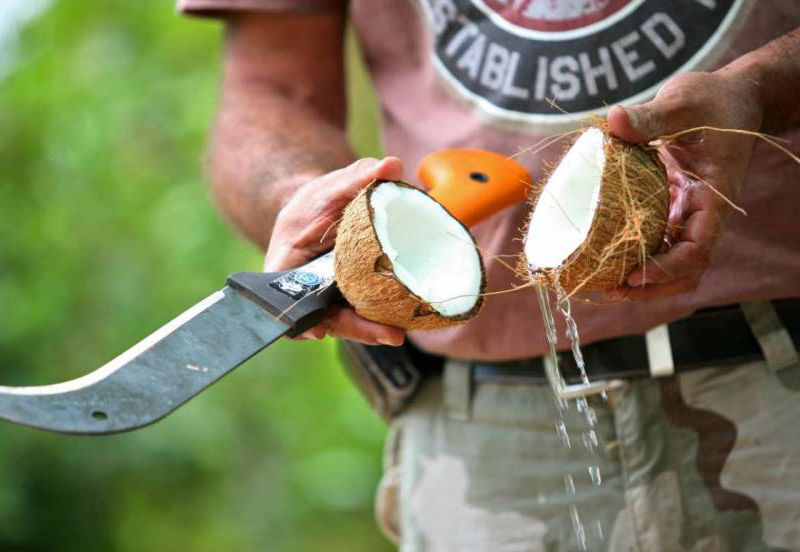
<point x="298" y="297"/>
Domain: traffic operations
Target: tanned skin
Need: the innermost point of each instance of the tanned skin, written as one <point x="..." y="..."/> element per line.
<point x="281" y="122"/>
<point x="756" y="92"/>
<point x="279" y="142"/>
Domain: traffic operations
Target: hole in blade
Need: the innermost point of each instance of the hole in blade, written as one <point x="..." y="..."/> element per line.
<point x="99" y="415"/>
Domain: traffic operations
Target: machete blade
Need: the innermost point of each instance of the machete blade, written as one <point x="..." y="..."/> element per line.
<point x="155" y="376"/>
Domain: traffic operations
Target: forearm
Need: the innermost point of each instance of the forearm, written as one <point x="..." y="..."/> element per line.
<point x="264" y="147"/>
<point x="282" y="117"/>
<point x="774" y="73"/>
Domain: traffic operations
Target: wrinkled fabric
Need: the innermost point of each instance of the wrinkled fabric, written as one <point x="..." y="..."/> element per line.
<point x="422" y="111"/>
<point x="704" y="461"/>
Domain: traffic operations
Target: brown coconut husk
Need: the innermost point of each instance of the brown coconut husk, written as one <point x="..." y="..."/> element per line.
<point x="628" y="224"/>
<point x="366" y="278"/>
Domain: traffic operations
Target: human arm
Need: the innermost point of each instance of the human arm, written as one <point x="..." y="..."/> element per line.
<point x="280" y="123"/>
<point x="278" y="138"/>
<point x="756" y="92"/>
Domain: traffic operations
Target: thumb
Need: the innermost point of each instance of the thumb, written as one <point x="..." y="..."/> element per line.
<point x="639" y="123"/>
<point x="669" y="112"/>
<point x="347" y="182"/>
<point x="390" y="168"/>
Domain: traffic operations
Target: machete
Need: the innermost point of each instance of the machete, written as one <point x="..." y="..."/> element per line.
<point x="163" y="371"/>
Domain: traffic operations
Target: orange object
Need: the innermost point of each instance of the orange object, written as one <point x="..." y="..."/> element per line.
<point x="474" y="184"/>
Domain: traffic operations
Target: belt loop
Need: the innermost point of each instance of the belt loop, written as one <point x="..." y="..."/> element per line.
<point x="775" y="342"/>
<point x="659" y="352"/>
<point x="458" y="389"/>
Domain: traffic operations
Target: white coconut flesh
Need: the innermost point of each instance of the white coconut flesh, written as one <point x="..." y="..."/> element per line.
<point x="431" y="253"/>
<point x="565" y="209"/>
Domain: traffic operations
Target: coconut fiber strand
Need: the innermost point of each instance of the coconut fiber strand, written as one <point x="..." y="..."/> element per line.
<point x="628" y="223"/>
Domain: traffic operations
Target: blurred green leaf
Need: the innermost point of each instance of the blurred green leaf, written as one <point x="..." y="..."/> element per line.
<point x="107" y="232"/>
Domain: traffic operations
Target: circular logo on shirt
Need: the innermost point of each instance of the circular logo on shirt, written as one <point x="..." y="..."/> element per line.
<point x="555" y="15"/>
<point x="544" y="65"/>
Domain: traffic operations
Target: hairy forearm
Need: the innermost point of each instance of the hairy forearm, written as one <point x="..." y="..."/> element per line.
<point x="282" y="116"/>
<point x="264" y="146"/>
<point x="774" y="72"/>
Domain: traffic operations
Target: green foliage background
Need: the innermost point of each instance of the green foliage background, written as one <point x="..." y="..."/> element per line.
<point x="107" y="232"/>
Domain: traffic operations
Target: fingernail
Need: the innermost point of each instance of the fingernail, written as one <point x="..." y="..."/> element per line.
<point x="633" y="118"/>
<point x="645" y="121"/>
<point x="389" y="341"/>
<point x="616" y="294"/>
<point x="365" y="165"/>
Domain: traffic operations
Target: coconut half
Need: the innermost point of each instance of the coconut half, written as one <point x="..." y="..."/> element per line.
<point x="598" y="215"/>
<point x="402" y="259"/>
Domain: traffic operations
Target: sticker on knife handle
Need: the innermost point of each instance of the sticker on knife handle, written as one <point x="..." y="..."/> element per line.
<point x="296" y="284"/>
<point x="315" y="275"/>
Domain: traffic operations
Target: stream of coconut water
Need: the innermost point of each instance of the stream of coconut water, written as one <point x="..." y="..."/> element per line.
<point x="589" y="437"/>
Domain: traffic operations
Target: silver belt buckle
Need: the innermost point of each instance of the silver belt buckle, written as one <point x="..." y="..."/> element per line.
<point x="566" y="390"/>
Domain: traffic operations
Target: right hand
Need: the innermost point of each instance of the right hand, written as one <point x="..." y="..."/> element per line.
<point x="701" y="168"/>
<point x="306" y="228"/>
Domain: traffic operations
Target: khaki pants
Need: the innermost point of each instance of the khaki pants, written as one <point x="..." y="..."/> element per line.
<point x="706" y="460"/>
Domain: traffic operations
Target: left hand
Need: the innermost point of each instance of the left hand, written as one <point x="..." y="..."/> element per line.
<point x="695" y="162"/>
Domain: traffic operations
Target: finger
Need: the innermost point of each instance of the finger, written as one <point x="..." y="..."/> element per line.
<point x="619" y="293"/>
<point x="347" y="182"/>
<point x="699" y="233"/>
<point x="642" y="123"/>
<point x="622" y="124"/>
<point x="682" y="259"/>
<point x="674" y="108"/>
<point x="703" y="224"/>
<point x="391" y="168"/>
<point x="662" y="291"/>
<point x="282" y="257"/>
<point x="345" y="323"/>
<point x="317" y="332"/>
<point x="311" y="216"/>
<point x="679" y="201"/>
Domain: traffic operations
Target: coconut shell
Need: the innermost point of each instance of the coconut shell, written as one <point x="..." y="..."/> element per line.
<point x="366" y="278"/>
<point x="628" y="224"/>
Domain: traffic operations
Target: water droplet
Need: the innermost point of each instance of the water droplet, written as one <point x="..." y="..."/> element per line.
<point x="594" y="473"/>
<point x="569" y="483"/>
<point x="591" y="417"/>
<point x="577" y="527"/>
<point x="589" y="439"/>
<point x="565" y="308"/>
<point x="563" y="435"/>
<point x="598" y="527"/>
